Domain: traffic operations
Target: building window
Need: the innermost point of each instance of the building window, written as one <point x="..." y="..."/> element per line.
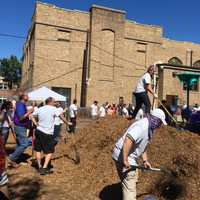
<point x="3" y="86"/>
<point x="65" y="92"/>
<point x="63" y="35"/>
<point x="106" y="71"/>
<point x="175" y="61"/>
<point x="197" y="64"/>
<point x="141" y="47"/>
<point x="2" y="99"/>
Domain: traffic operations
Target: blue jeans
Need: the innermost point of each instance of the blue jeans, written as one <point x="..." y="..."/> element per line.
<point x="22" y="143"/>
<point x="4" y="134"/>
<point x="56" y="135"/>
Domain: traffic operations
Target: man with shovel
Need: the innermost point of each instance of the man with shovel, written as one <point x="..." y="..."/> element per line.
<point x="142" y="89"/>
<point x="131" y="146"/>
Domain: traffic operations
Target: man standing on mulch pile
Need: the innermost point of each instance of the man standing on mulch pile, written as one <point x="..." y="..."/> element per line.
<point x="141" y="91"/>
<point x="44" y="133"/>
<point x="133" y="145"/>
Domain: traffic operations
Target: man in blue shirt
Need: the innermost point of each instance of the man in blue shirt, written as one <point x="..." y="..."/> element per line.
<point x="21" y="121"/>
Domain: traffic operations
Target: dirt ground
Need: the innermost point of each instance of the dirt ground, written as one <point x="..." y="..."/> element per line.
<point x="95" y="177"/>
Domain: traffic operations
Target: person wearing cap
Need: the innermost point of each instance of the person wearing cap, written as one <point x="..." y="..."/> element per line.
<point x="131" y="146"/>
<point x="141" y="91"/>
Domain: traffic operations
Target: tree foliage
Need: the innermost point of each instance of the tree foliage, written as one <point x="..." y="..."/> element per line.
<point x="10" y="69"/>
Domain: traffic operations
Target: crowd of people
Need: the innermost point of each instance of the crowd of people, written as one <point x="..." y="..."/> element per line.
<point x="39" y="126"/>
<point x="112" y="109"/>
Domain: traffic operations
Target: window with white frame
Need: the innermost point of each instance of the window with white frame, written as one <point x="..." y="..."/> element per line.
<point x="2" y="99"/>
<point x="3" y="86"/>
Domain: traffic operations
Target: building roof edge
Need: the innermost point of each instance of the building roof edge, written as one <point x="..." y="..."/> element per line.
<point x="107" y="8"/>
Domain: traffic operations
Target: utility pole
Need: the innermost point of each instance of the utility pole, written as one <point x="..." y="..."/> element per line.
<point x="84" y="83"/>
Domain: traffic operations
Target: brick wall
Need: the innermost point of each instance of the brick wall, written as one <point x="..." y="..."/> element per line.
<point x="118" y="53"/>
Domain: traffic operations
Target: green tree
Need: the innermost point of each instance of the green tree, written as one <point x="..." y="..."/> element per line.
<point x="10" y="69"/>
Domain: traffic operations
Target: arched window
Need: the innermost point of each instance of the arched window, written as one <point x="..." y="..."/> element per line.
<point x="175" y="61"/>
<point x="107" y="54"/>
<point x="197" y="64"/>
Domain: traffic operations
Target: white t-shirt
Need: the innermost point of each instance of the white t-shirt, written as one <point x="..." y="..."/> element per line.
<point x="145" y="79"/>
<point x="139" y="115"/>
<point x="73" y="110"/>
<point x="46" y="118"/>
<point x="125" y="112"/>
<point x="94" y="110"/>
<point x="58" y="121"/>
<point x="138" y="132"/>
<point x="102" y="111"/>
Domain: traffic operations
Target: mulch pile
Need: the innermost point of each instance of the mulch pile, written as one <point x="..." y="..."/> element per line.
<point x="95" y="176"/>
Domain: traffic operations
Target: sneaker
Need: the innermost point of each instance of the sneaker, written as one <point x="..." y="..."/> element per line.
<point x="44" y="171"/>
<point x="11" y="163"/>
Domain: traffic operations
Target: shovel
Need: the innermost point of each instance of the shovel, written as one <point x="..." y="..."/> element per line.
<point x="157" y="170"/>
<point x="175" y="121"/>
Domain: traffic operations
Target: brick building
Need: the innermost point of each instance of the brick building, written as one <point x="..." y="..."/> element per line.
<point x="100" y="55"/>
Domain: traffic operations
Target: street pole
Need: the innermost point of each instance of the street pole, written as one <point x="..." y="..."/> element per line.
<point x="188" y="94"/>
<point x="188" y="82"/>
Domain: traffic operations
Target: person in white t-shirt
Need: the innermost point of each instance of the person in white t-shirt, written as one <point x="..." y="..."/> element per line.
<point x="142" y="89"/>
<point x="58" y="123"/>
<point x="73" y="111"/>
<point x="94" y="110"/>
<point x="102" y="111"/>
<point x="131" y="146"/>
<point x="44" y="134"/>
<point x="140" y="114"/>
<point x="125" y="113"/>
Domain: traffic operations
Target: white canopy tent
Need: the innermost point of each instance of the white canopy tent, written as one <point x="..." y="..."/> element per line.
<point x="41" y="94"/>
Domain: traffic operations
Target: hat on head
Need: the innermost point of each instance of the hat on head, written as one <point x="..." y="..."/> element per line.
<point x="159" y="114"/>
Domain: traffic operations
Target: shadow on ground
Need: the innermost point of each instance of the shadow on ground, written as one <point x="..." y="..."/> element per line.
<point x="26" y="189"/>
<point x="3" y="197"/>
<point x="111" y="192"/>
<point x="23" y="158"/>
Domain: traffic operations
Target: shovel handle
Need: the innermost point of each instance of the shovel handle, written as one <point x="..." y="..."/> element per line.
<point x="167" y="111"/>
<point x="144" y="168"/>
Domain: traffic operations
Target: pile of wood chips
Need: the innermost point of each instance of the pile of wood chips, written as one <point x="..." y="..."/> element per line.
<point x="95" y="177"/>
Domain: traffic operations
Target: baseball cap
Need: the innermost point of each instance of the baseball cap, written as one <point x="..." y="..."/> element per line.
<point x="157" y="112"/>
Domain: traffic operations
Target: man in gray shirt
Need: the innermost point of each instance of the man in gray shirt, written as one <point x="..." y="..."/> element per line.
<point x="131" y="146"/>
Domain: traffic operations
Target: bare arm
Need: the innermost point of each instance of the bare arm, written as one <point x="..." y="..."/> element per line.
<point x="62" y="117"/>
<point x="145" y="160"/>
<point x="128" y="145"/>
<point x="26" y="114"/>
<point x="33" y="120"/>
<point x="149" y="89"/>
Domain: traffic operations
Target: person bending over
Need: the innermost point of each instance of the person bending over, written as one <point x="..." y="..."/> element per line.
<point x="131" y="146"/>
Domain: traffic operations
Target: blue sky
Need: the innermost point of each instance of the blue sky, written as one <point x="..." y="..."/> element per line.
<point x="179" y="18"/>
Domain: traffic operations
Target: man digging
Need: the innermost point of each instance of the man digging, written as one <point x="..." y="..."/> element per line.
<point x="131" y="146"/>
